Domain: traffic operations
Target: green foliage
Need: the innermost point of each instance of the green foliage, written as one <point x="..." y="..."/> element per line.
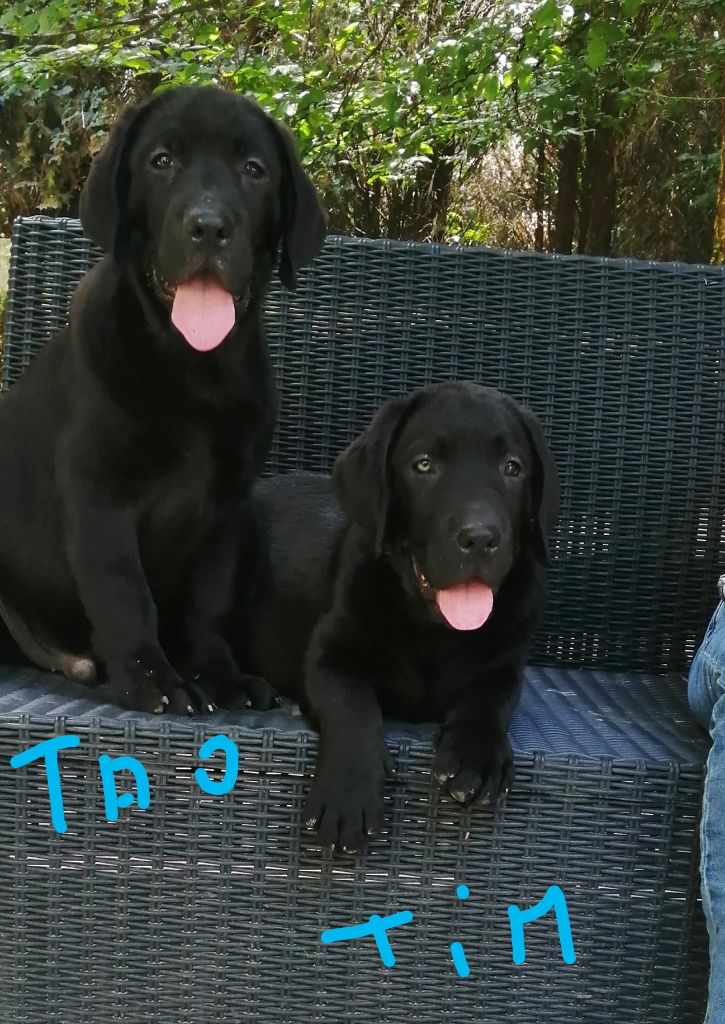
<point x="397" y="106"/>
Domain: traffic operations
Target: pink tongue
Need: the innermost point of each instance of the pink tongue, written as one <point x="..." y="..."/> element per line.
<point x="466" y="606"/>
<point x="203" y="312"/>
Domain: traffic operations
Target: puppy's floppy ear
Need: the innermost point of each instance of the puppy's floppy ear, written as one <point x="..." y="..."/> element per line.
<point x="545" y="497"/>
<point x="360" y="476"/>
<point x="304" y="222"/>
<point x="105" y="193"/>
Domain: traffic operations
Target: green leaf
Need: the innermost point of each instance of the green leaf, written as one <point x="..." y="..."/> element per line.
<point x="29" y="25"/>
<point x="47" y="19"/>
<point x="524" y="77"/>
<point x="596" y="50"/>
<point x="630" y="7"/>
<point x="137" y="63"/>
<point x="548" y="15"/>
<point x="491" y="87"/>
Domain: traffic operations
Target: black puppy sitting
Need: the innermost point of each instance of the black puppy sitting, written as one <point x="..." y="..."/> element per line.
<point x="129" y="445"/>
<point x="420" y="600"/>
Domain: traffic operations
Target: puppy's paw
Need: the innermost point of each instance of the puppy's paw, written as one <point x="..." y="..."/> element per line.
<point x="190" y="697"/>
<point x="261" y="695"/>
<point x="252" y="692"/>
<point x="137" y="695"/>
<point x="215" y="669"/>
<point x="473" y="769"/>
<point x="345" y="802"/>
<point x="140" y="685"/>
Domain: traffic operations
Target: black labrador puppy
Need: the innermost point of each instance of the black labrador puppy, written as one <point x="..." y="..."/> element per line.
<point x="131" y="442"/>
<point x="418" y="601"/>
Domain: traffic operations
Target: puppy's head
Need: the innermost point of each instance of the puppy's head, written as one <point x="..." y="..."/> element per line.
<point x="199" y="187"/>
<point x="458" y="480"/>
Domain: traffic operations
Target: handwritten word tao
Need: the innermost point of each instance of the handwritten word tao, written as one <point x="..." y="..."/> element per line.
<point x="48" y="751"/>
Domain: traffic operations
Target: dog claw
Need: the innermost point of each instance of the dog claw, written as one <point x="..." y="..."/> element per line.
<point x="311" y="823"/>
<point x="165" y="700"/>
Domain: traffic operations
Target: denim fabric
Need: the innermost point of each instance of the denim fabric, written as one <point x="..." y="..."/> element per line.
<point x="706" y="692"/>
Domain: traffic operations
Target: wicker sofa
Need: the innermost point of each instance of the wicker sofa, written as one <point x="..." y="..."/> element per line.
<point x="210" y="909"/>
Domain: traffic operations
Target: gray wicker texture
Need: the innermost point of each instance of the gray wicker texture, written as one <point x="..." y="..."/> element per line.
<point x="622" y="360"/>
<point x="209" y="909"/>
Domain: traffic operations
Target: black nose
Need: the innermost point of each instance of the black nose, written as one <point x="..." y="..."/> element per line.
<point x="207" y="225"/>
<point x="478" y="539"/>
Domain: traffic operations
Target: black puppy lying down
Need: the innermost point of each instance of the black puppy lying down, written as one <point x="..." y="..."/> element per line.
<point x="417" y="601"/>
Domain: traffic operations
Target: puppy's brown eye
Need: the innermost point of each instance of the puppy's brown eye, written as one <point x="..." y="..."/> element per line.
<point x="253" y="169"/>
<point x="423" y="464"/>
<point x="162" y="161"/>
<point x="512" y="467"/>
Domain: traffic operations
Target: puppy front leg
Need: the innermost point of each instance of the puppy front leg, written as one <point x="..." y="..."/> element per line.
<point x="474" y="760"/>
<point x="345" y="801"/>
<point x="213" y="595"/>
<point x="102" y="547"/>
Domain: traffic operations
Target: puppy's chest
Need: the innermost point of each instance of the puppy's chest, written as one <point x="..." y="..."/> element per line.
<point x="429" y="672"/>
<point x="191" y="487"/>
<point x="200" y="465"/>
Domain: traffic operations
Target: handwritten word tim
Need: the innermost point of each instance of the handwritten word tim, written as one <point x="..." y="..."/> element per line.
<point x="378" y="927"/>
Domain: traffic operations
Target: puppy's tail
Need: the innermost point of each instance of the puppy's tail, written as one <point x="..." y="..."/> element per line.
<point x="80" y="668"/>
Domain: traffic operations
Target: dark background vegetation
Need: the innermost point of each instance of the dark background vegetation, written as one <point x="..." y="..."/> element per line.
<point x="593" y="127"/>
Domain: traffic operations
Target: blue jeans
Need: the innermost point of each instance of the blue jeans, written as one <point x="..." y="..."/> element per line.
<point x="706" y="692"/>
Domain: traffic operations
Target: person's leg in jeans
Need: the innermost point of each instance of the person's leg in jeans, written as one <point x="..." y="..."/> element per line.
<point x="706" y="693"/>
